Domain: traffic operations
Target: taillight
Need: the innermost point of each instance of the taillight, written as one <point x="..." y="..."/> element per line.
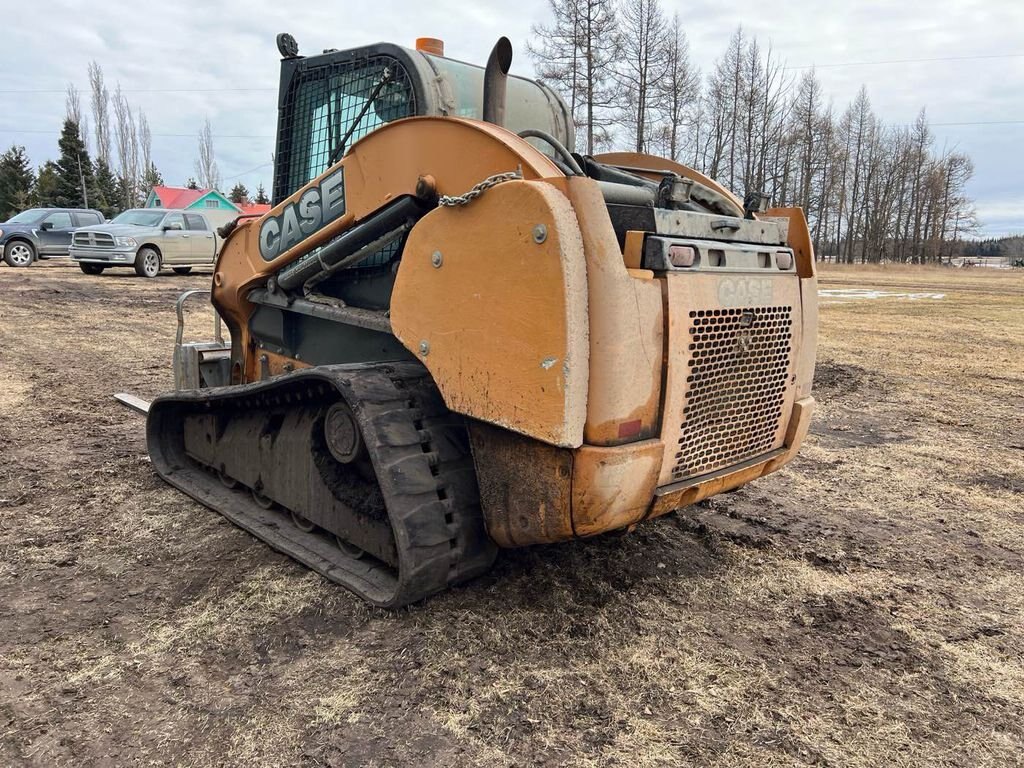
<point x="682" y="255"/>
<point x="630" y="428"/>
<point x="783" y="259"/>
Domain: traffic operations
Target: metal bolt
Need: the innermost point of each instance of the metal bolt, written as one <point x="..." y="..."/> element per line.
<point x="437" y="259"/>
<point x="540" y="234"/>
<point x="424" y="348"/>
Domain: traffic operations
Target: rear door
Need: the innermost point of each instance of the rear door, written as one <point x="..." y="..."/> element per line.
<point x="203" y="244"/>
<point x="176" y="244"/>
<point x="87" y="219"/>
<point x="55" y="234"/>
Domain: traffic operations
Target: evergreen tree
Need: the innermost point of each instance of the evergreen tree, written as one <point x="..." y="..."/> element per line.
<point x="261" y="196"/>
<point x="127" y="192"/>
<point x="107" y="188"/>
<point x="239" y="194"/>
<point x="76" y="187"/>
<point x="16" y="181"/>
<point x="191" y="183"/>
<point x="45" y="193"/>
<point x="151" y="178"/>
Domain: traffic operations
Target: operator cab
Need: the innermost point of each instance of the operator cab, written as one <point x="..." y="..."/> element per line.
<point x="329" y="101"/>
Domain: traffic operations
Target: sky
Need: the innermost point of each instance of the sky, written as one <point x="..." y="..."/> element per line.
<point x="187" y="61"/>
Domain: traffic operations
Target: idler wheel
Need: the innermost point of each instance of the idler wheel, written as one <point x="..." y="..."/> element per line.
<point x="342" y="434"/>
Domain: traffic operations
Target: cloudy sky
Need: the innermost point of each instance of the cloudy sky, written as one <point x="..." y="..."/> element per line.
<point x="185" y="61"/>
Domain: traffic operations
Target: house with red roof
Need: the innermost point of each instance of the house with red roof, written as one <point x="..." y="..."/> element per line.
<point x="205" y="199"/>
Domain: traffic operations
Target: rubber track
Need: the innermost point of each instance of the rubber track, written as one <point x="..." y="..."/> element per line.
<point x="419" y="450"/>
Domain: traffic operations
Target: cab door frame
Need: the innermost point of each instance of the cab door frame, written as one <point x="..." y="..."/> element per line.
<point x="55" y="241"/>
<point x="203" y="246"/>
<point x="175" y="244"/>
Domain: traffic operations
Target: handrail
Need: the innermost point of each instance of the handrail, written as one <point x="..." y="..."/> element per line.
<point x="180" y="310"/>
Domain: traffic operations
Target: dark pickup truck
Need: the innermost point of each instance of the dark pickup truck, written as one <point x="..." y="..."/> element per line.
<point x="42" y="233"/>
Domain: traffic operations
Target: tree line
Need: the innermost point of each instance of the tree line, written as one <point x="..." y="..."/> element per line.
<point x="1010" y="248"/>
<point x="118" y="173"/>
<point x="871" y="191"/>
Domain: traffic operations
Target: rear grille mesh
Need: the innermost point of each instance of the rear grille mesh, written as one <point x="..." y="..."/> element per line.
<point x="736" y="385"/>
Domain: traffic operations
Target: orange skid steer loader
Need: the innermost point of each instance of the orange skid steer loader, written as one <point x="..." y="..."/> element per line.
<point x="452" y="334"/>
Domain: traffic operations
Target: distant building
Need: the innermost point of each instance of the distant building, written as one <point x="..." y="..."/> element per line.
<point x="207" y="199"/>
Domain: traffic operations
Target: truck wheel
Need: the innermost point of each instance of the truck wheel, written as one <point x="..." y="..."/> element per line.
<point x="91" y="269"/>
<point x="19" y="253"/>
<point x="147" y="263"/>
<point x="182" y="270"/>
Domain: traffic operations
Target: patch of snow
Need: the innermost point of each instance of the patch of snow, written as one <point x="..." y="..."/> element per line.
<point x="871" y="293"/>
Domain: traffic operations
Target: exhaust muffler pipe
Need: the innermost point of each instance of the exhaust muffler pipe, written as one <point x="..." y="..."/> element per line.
<point x="496" y="81"/>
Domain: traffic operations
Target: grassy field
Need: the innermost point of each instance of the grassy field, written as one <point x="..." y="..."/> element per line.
<point x="863" y="607"/>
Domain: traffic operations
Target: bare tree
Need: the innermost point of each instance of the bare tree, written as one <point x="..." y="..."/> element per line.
<point x="678" y="93"/>
<point x="642" y="67"/>
<point x="100" y="100"/>
<point x="769" y="102"/>
<point x="921" y="141"/>
<point x="206" y="163"/>
<point x="805" y="132"/>
<point x="958" y="210"/>
<point x="725" y="96"/>
<point x="126" y="139"/>
<point x="145" y="143"/>
<point x="575" y="55"/>
<point x="73" y="110"/>
<point x="744" y="137"/>
<point x="856" y="128"/>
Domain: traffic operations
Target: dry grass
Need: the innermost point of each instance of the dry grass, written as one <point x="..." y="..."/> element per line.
<point x="868" y="613"/>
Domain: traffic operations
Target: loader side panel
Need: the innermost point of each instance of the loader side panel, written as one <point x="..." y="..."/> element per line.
<point x="492" y="298"/>
<point x="627" y="330"/>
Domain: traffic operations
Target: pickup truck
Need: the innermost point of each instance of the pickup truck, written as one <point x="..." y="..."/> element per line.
<point x="148" y="239"/>
<point x="42" y="233"/>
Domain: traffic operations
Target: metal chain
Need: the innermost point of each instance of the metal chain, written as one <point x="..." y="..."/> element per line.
<point x="449" y="201"/>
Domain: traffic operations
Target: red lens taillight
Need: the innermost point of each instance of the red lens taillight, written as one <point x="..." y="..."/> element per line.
<point x="682" y="255"/>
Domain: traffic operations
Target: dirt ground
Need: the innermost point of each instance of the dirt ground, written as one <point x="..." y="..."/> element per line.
<point x="863" y="607"/>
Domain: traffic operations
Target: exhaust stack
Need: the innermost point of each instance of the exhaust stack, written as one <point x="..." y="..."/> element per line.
<point x="496" y="80"/>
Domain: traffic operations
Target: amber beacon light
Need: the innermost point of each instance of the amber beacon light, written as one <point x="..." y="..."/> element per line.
<point x="430" y="45"/>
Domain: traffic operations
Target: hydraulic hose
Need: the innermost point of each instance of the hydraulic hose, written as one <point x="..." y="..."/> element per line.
<point x="565" y="154"/>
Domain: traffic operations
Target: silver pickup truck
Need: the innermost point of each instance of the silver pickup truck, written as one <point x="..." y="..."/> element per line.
<point x="148" y="239"/>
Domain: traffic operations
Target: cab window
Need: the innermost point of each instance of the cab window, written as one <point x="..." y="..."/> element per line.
<point x="174" y="218"/>
<point x="325" y="102"/>
<point x="87" y="219"/>
<point x="195" y="222"/>
<point x="58" y="220"/>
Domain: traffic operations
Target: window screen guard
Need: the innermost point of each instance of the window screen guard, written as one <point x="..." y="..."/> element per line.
<point x="320" y="106"/>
